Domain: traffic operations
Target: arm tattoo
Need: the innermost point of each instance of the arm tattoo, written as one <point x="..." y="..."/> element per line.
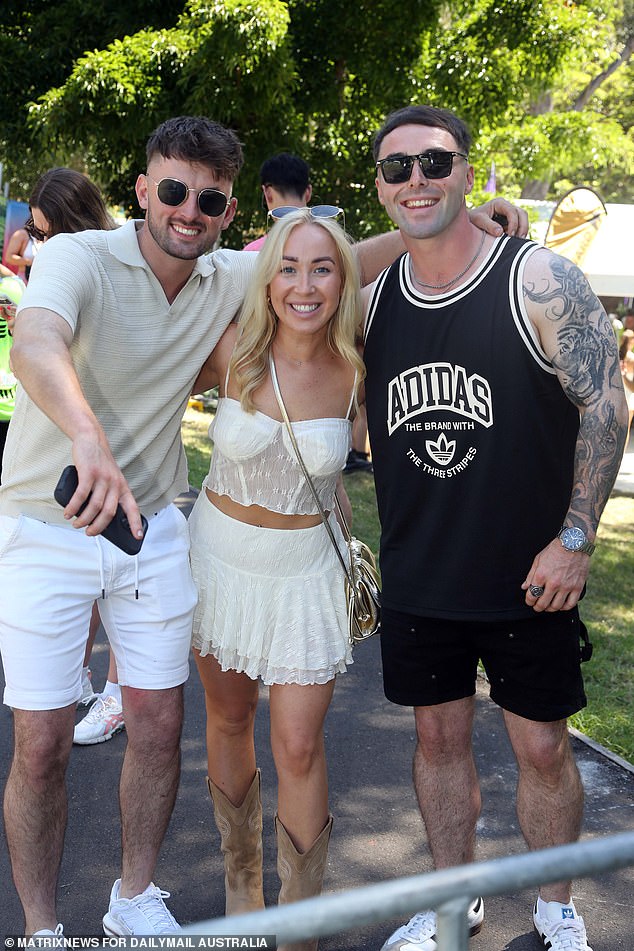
<point x="586" y="361"/>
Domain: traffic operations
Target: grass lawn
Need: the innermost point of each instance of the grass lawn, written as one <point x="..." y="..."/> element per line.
<point x="197" y="444"/>
<point x="607" y="609"/>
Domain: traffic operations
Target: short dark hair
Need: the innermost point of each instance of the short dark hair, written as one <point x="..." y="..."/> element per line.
<point x="424" y="115"/>
<point x="198" y="139"/>
<point x="286" y="172"/>
<point x="70" y="202"/>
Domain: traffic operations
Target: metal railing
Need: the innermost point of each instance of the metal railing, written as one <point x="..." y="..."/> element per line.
<point x="448" y="891"/>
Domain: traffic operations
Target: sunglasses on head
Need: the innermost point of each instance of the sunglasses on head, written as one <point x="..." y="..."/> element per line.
<point x="170" y="191"/>
<point x="434" y="163"/>
<point x="317" y="211"/>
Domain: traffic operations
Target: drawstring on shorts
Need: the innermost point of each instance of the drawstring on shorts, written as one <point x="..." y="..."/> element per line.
<point x="102" y="579"/>
<point x="101" y="574"/>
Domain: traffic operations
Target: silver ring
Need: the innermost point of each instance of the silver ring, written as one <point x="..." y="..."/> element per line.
<point x="536" y="590"/>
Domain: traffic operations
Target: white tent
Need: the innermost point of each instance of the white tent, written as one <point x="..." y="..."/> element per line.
<point x="609" y="261"/>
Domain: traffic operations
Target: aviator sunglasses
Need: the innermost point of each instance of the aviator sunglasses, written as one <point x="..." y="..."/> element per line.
<point x="316" y="211"/>
<point x="170" y="191"/>
<point x="434" y="163"/>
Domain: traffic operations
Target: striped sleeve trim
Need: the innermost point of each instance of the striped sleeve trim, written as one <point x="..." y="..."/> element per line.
<point x="522" y="321"/>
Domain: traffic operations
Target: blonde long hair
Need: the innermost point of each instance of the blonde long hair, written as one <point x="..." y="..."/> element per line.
<point x="257" y="324"/>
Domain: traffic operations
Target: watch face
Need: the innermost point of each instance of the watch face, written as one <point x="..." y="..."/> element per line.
<point x="573" y="539"/>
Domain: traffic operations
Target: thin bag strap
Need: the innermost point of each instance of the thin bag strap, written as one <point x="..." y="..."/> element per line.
<point x="278" y="396"/>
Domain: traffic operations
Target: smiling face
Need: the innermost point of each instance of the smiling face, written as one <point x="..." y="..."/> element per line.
<point x="421" y="207"/>
<point x="182" y="231"/>
<point x="306" y="290"/>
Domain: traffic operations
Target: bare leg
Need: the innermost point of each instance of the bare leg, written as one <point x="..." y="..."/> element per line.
<point x="549" y="789"/>
<point x="93" y="627"/>
<point x="113" y="676"/>
<point x="231" y="701"/>
<point x="149" y="780"/>
<point x="297" y="742"/>
<point x="35" y="809"/>
<point x="446" y="781"/>
<point x="95" y="621"/>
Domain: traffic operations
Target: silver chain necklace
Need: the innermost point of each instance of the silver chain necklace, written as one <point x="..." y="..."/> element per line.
<point x="441" y="287"/>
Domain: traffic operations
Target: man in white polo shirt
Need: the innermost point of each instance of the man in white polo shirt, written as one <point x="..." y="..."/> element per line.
<point x="106" y="346"/>
<point x="108" y="341"/>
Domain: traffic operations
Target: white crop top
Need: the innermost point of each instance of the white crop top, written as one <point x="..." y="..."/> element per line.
<point x="254" y="462"/>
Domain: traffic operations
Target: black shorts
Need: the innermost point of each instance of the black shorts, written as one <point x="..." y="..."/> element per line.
<point x="533" y="664"/>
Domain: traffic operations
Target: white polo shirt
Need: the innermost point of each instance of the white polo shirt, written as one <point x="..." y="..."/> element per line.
<point x="136" y="356"/>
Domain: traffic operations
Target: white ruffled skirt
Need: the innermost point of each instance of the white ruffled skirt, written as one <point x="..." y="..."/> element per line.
<point x="271" y="602"/>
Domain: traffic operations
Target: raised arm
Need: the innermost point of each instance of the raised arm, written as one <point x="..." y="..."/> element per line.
<point x="208" y="375"/>
<point x="41" y="361"/>
<point x="576" y="334"/>
<point x="498" y="215"/>
<point x="214" y="369"/>
<point x="16" y="247"/>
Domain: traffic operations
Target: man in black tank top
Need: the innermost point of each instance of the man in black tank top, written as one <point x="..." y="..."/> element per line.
<point x="497" y="421"/>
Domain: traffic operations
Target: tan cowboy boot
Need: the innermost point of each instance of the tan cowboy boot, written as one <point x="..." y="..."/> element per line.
<point x="301" y="874"/>
<point x="240" y="829"/>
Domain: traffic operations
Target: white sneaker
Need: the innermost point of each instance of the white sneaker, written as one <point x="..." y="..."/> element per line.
<point x="47" y="939"/>
<point x="559" y="927"/>
<point x="88" y="695"/>
<point x="419" y="934"/>
<point x="103" y="720"/>
<point x="146" y="914"/>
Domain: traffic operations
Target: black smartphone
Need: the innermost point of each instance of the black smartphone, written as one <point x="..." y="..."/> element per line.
<point x="501" y="219"/>
<point x="118" y="531"/>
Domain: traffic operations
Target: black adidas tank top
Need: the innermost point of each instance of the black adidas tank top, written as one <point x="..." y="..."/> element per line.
<point x="472" y="436"/>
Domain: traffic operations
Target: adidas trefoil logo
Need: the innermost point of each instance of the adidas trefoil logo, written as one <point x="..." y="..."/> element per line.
<point x="567" y="912"/>
<point x="441" y="451"/>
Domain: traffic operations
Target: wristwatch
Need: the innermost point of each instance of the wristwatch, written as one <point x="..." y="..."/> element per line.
<point x="574" y="539"/>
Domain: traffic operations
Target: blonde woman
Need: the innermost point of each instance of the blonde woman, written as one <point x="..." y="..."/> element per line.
<point x="272" y="602"/>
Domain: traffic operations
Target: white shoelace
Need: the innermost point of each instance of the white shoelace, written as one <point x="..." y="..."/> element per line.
<point x="569" y="935"/>
<point x="421" y="926"/>
<point x="96" y="712"/>
<point x="152" y="906"/>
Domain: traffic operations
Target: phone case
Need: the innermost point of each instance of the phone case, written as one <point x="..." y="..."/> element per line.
<point x="118" y="531"/>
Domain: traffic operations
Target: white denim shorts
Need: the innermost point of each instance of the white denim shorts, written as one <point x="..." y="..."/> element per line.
<point x="50" y="576"/>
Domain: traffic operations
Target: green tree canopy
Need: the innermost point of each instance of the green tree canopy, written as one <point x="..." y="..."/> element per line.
<point x="544" y="85"/>
<point x="518" y="70"/>
<point x="39" y="42"/>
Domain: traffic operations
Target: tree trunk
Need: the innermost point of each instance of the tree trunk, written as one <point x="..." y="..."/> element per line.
<point x="584" y="97"/>
<point x="537" y="189"/>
